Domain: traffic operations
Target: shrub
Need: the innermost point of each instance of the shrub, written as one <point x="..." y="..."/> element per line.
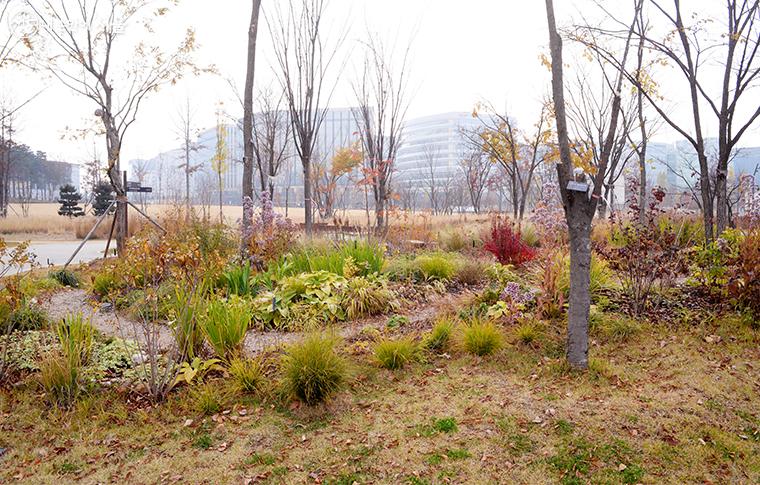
<point x="507" y="245"/>
<point x="440" y="335"/>
<point x="225" y="324"/>
<point x="28" y="317"/>
<point x="394" y="354"/>
<point x="744" y="281"/>
<point x="365" y="296"/>
<point x="481" y="338"/>
<point x="76" y="337"/>
<point x="104" y="284"/>
<point x="471" y="272"/>
<point x="60" y="379"/>
<point x="248" y="375"/>
<point x="65" y="277"/>
<point x="435" y="266"/>
<point x="313" y="370"/>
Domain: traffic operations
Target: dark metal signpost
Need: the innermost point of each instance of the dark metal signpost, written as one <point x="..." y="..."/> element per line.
<point x="128" y="187"/>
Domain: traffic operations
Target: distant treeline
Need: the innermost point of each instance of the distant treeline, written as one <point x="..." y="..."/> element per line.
<point x="32" y="177"/>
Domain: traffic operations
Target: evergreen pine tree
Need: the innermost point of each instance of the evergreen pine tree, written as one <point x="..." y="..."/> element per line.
<point x="69" y="200"/>
<point x="103" y="197"/>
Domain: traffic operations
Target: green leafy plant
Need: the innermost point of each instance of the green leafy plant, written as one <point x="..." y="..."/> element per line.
<point x="501" y="274"/>
<point x="394" y="354"/>
<point x="397" y="321"/>
<point x="308" y="299"/>
<point x="65" y="277"/>
<point x="248" y="375"/>
<point x="28" y="316"/>
<point x="313" y="370"/>
<point x="440" y="335"/>
<point x="238" y="280"/>
<point x="185" y="312"/>
<point x="197" y="370"/>
<point x="76" y="337"/>
<point x="481" y="338"/>
<point x="105" y="283"/>
<point x="359" y="257"/>
<point x="225" y="324"/>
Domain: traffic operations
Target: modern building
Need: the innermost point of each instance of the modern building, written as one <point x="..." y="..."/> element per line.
<point x="165" y="172"/>
<point x="434" y="143"/>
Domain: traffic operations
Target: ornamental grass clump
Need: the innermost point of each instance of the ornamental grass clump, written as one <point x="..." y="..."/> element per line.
<point x="313" y="370"/>
<point x="60" y="378"/>
<point x="366" y="296"/>
<point x="394" y="354"/>
<point x="481" y="338"/>
<point x="439" y="267"/>
<point x="76" y="337"/>
<point x="248" y="375"/>
<point x="440" y="336"/>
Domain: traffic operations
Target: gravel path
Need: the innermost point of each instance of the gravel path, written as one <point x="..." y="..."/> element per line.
<point x="110" y="323"/>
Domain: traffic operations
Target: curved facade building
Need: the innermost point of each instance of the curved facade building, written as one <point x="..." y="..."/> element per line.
<point x="433" y="142"/>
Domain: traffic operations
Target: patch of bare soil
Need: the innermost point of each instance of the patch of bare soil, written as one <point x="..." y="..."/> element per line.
<point x="103" y="317"/>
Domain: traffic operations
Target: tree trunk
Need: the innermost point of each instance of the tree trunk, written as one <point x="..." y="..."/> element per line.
<point x="307" y="206"/>
<point x="580" y="294"/>
<point x="248" y="114"/>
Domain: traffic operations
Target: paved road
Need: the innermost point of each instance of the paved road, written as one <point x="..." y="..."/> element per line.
<point x="58" y="252"/>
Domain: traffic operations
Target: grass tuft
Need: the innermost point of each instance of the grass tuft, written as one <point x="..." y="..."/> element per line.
<point x="394" y="354"/>
<point x="481" y="338"/>
<point x="313" y="370"/>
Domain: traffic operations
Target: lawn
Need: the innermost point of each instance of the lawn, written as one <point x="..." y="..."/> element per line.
<point x="669" y="405"/>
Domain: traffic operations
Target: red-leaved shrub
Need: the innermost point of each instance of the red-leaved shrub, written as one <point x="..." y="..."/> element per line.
<point x="507" y="245"/>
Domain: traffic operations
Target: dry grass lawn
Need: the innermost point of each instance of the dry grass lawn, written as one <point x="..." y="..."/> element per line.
<point x="668" y="405"/>
<point x="44" y="223"/>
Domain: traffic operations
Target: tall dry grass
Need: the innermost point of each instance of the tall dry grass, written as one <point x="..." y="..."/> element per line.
<point x="44" y="222"/>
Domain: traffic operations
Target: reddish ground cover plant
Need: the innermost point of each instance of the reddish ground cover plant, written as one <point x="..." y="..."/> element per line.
<point x="506" y="244"/>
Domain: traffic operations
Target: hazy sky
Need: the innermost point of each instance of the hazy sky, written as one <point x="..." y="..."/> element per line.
<point x="461" y="52"/>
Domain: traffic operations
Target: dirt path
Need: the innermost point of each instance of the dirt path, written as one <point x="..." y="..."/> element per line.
<point x="107" y="321"/>
<point x="110" y="323"/>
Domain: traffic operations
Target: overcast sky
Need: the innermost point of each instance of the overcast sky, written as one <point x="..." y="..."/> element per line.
<point x="461" y="52"/>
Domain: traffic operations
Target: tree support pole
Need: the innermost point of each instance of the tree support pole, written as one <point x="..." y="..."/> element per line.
<point x="89" y="234"/>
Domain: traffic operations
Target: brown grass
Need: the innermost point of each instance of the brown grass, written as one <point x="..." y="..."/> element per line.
<point x="44" y="222"/>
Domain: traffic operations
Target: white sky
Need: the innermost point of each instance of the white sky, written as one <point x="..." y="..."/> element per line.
<point x="462" y="52"/>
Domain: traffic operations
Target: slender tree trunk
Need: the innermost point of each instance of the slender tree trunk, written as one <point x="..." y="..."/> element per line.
<point x="247" y="188"/>
<point x="187" y="173"/>
<point x="307" y="205"/>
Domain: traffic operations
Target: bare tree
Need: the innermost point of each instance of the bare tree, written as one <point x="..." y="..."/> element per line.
<point x="589" y="105"/>
<point x="476" y="169"/>
<point x="271" y="132"/>
<point x="140" y="171"/>
<point x="382" y="105"/>
<point x="85" y="42"/>
<point x="692" y="47"/>
<point x="518" y="153"/>
<point x="304" y="58"/>
<point x="579" y="207"/>
<point x="434" y="181"/>
<point x="188" y="133"/>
